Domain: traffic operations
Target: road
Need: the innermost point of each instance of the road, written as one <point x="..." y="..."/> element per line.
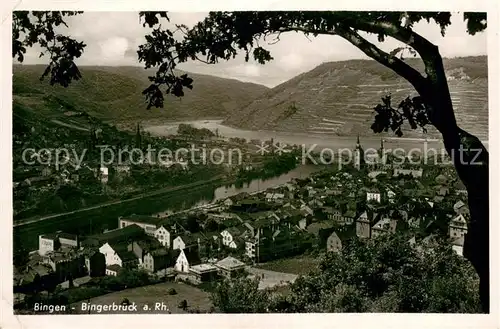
<point x="27" y="221"/>
<point x="270" y="279"/>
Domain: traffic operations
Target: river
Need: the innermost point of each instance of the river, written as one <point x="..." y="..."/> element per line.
<point x="307" y="140"/>
<point x="96" y="220"/>
<point x="313" y="142"/>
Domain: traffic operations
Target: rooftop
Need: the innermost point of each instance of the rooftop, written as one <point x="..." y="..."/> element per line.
<point x="235" y="231"/>
<point x="159" y="252"/>
<point x="126" y="255"/>
<point x="459" y="205"/>
<point x="57" y="235"/>
<point x="67" y="236"/>
<point x="114" y="267"/>
<point x="143" y="219"/>
<point x="314" y="228"/>
<point x="203" y="268"/>
<point x="230" y="263"/>
<point x="119" y="234"/>
<point x="192" y="256"/>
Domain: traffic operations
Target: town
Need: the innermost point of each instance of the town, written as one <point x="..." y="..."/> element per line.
<point x="233" y="237"/>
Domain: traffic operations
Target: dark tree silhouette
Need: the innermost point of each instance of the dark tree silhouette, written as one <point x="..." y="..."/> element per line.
<point x="222" y="35"/>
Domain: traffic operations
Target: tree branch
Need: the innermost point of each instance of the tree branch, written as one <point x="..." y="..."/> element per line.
<point x="426" y="49"/>
<point x="406" y="71"/>
<point x="406" y="35"/>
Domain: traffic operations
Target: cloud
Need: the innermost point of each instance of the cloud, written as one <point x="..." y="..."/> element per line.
<point x="112" y="38"/>
<point x="113" y="49"/>
<point x="292" y="61"/>
<point x="247" y="69"/>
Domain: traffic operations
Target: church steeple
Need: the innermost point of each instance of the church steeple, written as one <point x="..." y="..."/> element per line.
<point x="381" y="147"/>
<point x="138" y="137"/>
<point x="382" y="158"/>
<point x="358" y="155"/>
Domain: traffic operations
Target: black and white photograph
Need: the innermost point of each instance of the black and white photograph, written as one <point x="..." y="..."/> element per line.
<point x="266" y="161"/>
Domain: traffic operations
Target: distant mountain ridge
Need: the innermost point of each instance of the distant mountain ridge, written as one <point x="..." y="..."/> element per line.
<point x="337" y="98"/>
<point x="113" y="94"/>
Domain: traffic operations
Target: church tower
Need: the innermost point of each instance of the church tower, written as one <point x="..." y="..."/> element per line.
<point x="381" y="156"/>
<point x="138" y="137"/>
<point x="359" y="155"/>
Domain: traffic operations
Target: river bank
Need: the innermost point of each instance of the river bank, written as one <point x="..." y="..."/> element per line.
<point x="27" y="221"/>
<point x="97" y="219"/>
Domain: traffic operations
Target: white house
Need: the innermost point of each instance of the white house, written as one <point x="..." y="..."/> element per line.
<point x="458" y="245"/>
<point x="113" y="270"/>
<point x="458" y="227"/>
<point x="275" y="197"/>
<point x="229" y="235"/>
<point x="182" y="264"/>
<point x="52" y="242"/>
<point x="250" y="247"/>
<point x="228" y="202"/>
<point x="307" y="209"/>
<point x="391" y="195"/>
<point x="163" y="236"/>
<point x="46" y="243"/>
<point x="104" y="174"/>
<point x="363" y="226"/>
<point x="110" y="255"/>
<point x="460" y="208"/>
<point x="187" y="241"/>
<point x="123" y="169"/>
<point x="185" y="260"/>
<point x="147" y="223"/>
<point x="385" y="225"/>
<point x="178" y="243"/>
<point x="373" y="195"/>
<point x="416" y="173"/>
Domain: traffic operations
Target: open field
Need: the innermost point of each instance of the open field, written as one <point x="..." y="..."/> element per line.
<point x="151" y="296"/>
<point x="299" y="265"/>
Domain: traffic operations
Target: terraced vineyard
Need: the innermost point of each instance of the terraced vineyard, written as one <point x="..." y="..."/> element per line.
<point x="338" y="98"/>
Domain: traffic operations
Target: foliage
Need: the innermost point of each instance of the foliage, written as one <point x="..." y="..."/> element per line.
<point x="413" y="109"/>
<point x="39" y="28"/>
<point x="21" y="253"/>
<point x="189" y="130"/>
<point x="386" y="274"/>
<point x="241" y="295"/>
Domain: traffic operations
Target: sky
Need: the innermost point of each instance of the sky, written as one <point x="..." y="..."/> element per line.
<point x="113" y="38"/>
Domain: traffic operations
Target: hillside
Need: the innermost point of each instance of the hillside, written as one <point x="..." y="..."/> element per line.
<point x="337" y="98"/>
<point x="113" y="94"/>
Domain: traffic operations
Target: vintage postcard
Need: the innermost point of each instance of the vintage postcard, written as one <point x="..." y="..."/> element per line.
<point x="287" y="161"/>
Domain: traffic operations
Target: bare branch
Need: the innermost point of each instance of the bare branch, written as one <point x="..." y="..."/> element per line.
<point x="276" y="39"/>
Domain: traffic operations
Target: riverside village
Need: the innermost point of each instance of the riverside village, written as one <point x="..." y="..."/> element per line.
<point x="248" y="234"/>
<point x="249" y="162"/>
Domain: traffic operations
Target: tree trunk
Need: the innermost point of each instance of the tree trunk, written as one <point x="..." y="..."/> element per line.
<point x="470" y="159"/>
<point x="468" y="154"/>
